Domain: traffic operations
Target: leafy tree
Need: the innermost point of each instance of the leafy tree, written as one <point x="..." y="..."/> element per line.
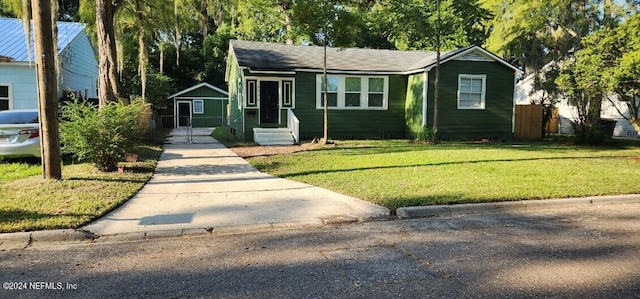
<point x="537" y="35"/>
<point x="614" y="56"/>
<point x="6" y="10"/>
<point x="412" y="23"/>
<point x="585" y="98"/>
<point x="264" y="20"/>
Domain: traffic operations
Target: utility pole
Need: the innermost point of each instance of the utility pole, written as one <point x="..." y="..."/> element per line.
<point x="436" y="92"/>
<point x="47" y="89"/>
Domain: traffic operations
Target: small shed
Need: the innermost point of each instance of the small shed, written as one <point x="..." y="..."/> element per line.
<point x="202" y="105"/>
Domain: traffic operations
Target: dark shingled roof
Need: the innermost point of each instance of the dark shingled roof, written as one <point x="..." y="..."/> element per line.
<point x="259" y="56"/>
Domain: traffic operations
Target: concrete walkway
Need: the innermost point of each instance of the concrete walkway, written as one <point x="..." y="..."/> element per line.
<point x="200" y="184"/>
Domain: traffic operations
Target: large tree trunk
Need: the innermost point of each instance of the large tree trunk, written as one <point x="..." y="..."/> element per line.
<point x="107" y="67"/>
<point x="142" y="49"/>
<point x="285" y="7"/>
<point x="47" y="89"/>
<point x="436" y="92"/>
<point x="635" y="123"/>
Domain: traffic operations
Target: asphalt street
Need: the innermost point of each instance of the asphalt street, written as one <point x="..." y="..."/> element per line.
<point x="590" y="251"/>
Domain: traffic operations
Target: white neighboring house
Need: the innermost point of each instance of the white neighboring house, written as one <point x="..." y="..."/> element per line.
<point x="18" y="84"/>
<point x="567" y="113"/>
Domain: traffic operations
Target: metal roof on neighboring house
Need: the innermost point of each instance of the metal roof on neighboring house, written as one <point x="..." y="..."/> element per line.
<point x="13" y="43"/>
<point x="261" y="56"/>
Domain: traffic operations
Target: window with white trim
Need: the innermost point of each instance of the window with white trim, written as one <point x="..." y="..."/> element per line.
<point x="333" y="84"/>
<point x="5" y="97"/>
<point x="287" y="94"/>
<point x="252" y="93"/>
<point x="353" y="92"/>
<point x="376" y="92"/>
<point x="198" y="106"/>
<point x="471" y="91"/>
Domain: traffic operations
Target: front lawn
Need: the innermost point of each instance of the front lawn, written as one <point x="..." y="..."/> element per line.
<point x="397" y="173"/>
<point x="28" y="202"/>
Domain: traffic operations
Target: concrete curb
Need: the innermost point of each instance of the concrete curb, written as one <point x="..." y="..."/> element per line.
<point x="511" y="206"/>
<point x="26" y="239"/>
<point x="23" y="240"/>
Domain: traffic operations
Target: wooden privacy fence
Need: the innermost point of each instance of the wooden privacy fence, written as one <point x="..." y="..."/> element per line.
<point x="528" y="122"/>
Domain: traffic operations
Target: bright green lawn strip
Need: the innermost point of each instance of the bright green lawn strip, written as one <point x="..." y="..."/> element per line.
<point x="397" y="173"/>
<point x="84" y="193"/>
<point x="15" y="170"/>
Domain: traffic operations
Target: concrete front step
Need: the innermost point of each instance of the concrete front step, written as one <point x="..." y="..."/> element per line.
<point x="275" y="136"/>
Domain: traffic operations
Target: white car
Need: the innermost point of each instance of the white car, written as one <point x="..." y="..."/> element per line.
<point x="19" y="133"/>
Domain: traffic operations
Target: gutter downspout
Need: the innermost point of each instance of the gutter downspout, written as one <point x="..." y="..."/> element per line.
<point x="425" y="96"/>
<point x="513" y="101"/>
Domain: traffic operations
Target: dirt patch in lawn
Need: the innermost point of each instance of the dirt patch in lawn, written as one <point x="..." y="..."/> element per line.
<point x="637" y="158"/>
<point x="270" y="150"/>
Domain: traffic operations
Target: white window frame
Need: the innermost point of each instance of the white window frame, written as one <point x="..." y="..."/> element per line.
<point x="201" y="105"/>
<point x="287" y="85"/>
<point x="9" y="95"/>
<point x="252" y="101"/>
<point x="280" y="81"/>
<point x="239" y="91"/>
<point x="364" y="93"/>
<point x="482" y="95"/>
<point x="359" y="92"/>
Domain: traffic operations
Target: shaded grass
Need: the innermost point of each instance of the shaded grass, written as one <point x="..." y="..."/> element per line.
<point x="30" y="203"/>
<point x="223" y="135"/>
<point x="396" y="173"/>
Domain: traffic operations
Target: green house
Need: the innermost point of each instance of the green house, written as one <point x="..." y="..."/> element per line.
<point x="202" y="105"/>
<point x="276" y="94"/>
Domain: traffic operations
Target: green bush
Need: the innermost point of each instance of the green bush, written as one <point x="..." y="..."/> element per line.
<point x="104" y="135"/>
<point x="588" y="134"/>
<point x="426" y="134"/>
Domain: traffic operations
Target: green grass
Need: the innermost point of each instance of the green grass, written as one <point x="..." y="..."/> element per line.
<point x="397" y="173"/>
<point x="223" y="135"/>
<point x="29" y="202"/>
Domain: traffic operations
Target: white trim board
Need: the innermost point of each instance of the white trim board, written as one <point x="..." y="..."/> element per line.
<point x="192" y="88"/>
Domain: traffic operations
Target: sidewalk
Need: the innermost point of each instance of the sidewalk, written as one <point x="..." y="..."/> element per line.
<point x="203" y="185"/>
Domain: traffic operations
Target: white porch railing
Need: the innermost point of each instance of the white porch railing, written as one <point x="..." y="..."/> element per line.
<point x="293" y="123"/>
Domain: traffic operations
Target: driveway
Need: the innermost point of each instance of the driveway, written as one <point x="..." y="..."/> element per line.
<point x="200" y="184"/>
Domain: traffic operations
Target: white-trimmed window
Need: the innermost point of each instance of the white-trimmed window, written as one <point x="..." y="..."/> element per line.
<point x="252" y="93"/>
<point x="198" y="106"/>
<point x="5" y="96"/>
<point x="333" y="86"/>
<point x="376" y="96"/>
<point x="471" y="91"/>
<point x="287" y="94"/>
<point x="353" y="92"/>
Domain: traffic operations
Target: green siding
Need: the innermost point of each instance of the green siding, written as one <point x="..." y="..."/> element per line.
<point x="413" y="105"/>
<point x="251" y="120"/>
<point x="350" y="124"/>
<point x="494" y="122"/>
<point x="403" y="118"/>
<point x="214" y="114"/>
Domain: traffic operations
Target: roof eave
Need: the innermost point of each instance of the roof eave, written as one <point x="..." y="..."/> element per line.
<point x="355" y="72"/>
<point x="192" y="88"/>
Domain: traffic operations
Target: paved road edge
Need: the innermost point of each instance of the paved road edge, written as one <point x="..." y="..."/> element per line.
<point x="510" y="206"/>
<point x="22" y="240"/>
